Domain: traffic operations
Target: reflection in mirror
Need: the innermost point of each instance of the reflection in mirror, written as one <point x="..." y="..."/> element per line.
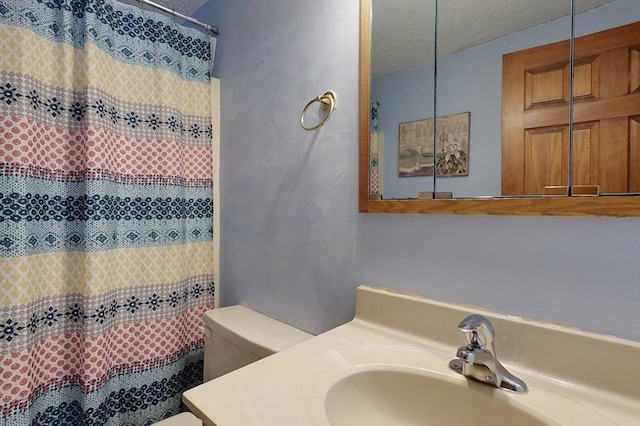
<point x="472" y="40"/>
<point x="471" y="156"/>
<point x="606" y="135"/>
<point x="402" y="92"/>
<point x="385" y="161"/>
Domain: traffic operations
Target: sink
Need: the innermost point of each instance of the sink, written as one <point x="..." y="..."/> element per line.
<point x="397" y="397"/>
<point x="390" y="366"/>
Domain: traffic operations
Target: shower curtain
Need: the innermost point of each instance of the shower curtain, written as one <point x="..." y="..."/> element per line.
<point x="106" y="212"/>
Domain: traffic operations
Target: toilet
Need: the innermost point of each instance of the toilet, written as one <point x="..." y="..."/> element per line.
<point x="236" y="336"/>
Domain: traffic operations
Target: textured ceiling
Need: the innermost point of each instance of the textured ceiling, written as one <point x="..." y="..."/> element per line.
<point x="402" y="30"/>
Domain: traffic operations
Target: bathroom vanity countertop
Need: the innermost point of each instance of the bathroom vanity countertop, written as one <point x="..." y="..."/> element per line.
<point x="573" y="377"/>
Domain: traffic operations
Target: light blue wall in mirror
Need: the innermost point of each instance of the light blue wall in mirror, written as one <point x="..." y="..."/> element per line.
<point x="471" y="80"/>
<point x="404" y="96"/>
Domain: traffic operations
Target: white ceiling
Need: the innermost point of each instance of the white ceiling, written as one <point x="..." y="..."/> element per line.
<point x="403" y="36"/>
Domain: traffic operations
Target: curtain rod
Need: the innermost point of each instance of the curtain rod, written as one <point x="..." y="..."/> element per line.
<point x="212" y="28"/>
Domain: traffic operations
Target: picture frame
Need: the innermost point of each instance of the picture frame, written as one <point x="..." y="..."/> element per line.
<point x="416" y="156"/>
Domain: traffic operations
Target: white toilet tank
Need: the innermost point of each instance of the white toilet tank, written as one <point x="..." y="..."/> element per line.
<point x="236" y="336"/>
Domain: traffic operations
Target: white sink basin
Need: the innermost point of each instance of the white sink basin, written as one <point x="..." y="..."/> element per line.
<point x="393" y="397"/>
<point x="399" y="385"/>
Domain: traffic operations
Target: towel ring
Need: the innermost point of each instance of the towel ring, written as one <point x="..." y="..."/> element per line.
<point x="327" y="101"/>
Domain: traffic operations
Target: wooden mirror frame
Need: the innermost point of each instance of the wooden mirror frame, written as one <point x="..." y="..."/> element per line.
<point x="614" y="205"/>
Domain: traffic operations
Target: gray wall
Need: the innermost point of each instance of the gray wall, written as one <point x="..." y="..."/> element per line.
<point x="294" y="245"/>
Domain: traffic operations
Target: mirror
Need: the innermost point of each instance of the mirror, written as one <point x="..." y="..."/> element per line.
<point x="606" y="113"/>
<point x="473" y="79"/>
<point x="403" y="139"/>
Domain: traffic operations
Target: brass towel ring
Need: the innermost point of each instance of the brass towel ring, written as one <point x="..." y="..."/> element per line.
<point x="327" y="101"/>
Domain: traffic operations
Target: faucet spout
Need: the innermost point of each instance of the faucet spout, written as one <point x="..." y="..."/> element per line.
<point x="478" y="360"/>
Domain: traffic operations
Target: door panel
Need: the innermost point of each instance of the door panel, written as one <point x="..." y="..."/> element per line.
<point x="606" y="110"/>
<point x="546" y="87"/>
<point x="545" y="158"/>
<point x="585" y="153"/>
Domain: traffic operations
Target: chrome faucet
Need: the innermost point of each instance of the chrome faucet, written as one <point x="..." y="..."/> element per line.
<point x="478" y="358"/>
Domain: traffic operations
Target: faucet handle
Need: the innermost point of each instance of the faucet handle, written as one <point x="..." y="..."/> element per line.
<point x="479" y="330"/>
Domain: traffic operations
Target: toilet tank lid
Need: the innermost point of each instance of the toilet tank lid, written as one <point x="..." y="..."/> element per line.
<point x="256" y="332"/>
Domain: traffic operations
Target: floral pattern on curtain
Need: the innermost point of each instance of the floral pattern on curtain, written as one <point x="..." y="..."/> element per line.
<point x="106" y="212"/>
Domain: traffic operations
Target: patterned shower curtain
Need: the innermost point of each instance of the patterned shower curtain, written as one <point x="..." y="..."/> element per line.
<point x="106" y="212"/>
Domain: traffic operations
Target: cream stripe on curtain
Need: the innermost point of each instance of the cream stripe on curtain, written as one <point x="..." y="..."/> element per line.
<point x="106" y="212"/>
